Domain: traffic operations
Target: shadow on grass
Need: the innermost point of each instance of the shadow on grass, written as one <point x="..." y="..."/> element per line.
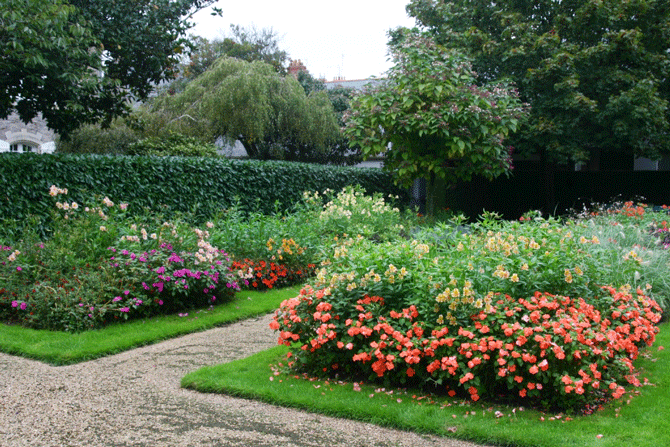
<point x="61" y="348"/>
<point x="639" y="419"/>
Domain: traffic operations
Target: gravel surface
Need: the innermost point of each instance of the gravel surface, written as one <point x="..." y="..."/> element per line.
<point x="134" y="399"/>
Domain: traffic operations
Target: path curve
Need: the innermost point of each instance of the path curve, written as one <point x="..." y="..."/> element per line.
<point x="134" y="399"/>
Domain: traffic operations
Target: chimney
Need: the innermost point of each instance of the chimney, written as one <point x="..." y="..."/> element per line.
<point x="295" y="67"/>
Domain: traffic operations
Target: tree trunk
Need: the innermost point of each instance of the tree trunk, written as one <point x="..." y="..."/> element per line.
<point x="548" y="171"/>
<point x="436" y="194"/>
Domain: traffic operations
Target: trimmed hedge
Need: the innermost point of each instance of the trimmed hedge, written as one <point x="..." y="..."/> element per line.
<point x="202" y="186"/>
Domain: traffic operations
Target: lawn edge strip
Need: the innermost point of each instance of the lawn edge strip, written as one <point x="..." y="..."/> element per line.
<point x="62" y="348"/>
<point x="252" y="378"/>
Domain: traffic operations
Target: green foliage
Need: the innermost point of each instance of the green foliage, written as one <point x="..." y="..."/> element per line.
<point x="99" y="267"/>
<point x="95" y="139"/>
<point x="250" y="102"/>
<point x="431" y="120"/>
<point x="201" y="187"/>
<point x="176" y="145"/>
<point x="595" y="72"/>
<point x="76" y="62"/>
<point x="488" y="312"/>
<point x="39" y="39"/>
<point x="247" y="44"/>
<point x="352" y="212"/>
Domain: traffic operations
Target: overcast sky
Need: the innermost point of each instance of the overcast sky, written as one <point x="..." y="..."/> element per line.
<point x="337" y="38"/>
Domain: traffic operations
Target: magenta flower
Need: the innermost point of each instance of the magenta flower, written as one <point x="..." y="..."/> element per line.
<point x="18" y="269"/>
<point x="125" y="309"/>
<point x="15" y="303"/>
<point x="23" y="306"/>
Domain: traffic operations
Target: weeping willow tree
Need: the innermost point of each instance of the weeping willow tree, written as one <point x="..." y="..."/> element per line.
<point x="268" y="113"/>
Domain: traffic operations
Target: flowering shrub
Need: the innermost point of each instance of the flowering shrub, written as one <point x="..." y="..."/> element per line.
<point x="520" y="310"/>
<point x="351" y="211"/>
<point x="260" y="275"/>
<point x="457" y="276"/>
<point x="69" y="282"/>
<point x="549" y="349"/>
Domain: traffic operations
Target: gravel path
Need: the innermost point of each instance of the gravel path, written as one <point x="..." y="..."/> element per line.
<point x="134" y="399"/>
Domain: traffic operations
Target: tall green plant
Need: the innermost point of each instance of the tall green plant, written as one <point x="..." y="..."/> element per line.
<point x="430" y="119"/>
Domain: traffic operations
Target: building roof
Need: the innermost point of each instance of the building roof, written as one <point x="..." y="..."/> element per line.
<point x="356" y="84"/>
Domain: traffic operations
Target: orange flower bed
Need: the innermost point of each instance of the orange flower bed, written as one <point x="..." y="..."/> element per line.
<point x="261" y="275"/>
<point x="544" y="350"/>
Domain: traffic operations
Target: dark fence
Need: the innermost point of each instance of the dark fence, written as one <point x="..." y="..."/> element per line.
<point x="559" y="191"/>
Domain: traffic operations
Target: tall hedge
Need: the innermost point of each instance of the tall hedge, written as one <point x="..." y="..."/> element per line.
<point x="171" y="184"/>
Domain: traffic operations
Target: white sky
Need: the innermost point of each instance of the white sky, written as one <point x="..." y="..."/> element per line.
<point x="333" y="38"/>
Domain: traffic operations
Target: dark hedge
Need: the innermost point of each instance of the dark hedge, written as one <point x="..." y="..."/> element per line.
<point x="201" y="186"/>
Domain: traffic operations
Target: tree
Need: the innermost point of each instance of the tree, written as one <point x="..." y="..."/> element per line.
<point x="248" y="44"/>
<point x="595" y="72"/>
<point x="79" y="61"/>
<point x="339" y="151"/>
<point x="250" y="102"/>
<point x="430" y="119"/>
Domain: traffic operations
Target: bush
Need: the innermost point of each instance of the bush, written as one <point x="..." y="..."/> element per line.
<point x="94" y="139"/>
<point x="200" y="187"/>
<point x="551" y="350"/>
<point x="99" y="267"/>
<point x="521" y="309"/>
<point x="173" y="144"/>
<point x="261" y="275"/>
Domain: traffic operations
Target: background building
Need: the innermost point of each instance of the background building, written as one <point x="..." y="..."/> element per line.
<point x="17" y="136"/>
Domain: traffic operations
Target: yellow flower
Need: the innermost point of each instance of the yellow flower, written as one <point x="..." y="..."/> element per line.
<point x="514" y="278"/>
<point x="578" y="271"/>
<point x="568" y="276"/>
<point x="524" y="267"/>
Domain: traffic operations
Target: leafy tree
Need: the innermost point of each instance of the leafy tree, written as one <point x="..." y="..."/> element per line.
<point x="338" y="152"/>
<point x="78" y="61"/>
<point x="431" y="120"/>
<point x="309" y="83"/>
<point x="250" y="102"/>
<point x="248" y="44"/>
<point x="595" y="72"/>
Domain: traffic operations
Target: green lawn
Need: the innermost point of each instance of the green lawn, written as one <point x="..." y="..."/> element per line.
<point x="60" y="348"/>
<point x="644" y="422"/>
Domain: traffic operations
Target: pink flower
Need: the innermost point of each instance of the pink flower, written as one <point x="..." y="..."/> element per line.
<point x="125" y="309"/>
<point x="23" y="306"/>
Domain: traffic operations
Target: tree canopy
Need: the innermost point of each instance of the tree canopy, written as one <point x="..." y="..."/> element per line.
<point x="595" y="72"/>
<point x="80" y="61"/>
<point x="250" y="102"/>
<point x="431" y="120"/>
